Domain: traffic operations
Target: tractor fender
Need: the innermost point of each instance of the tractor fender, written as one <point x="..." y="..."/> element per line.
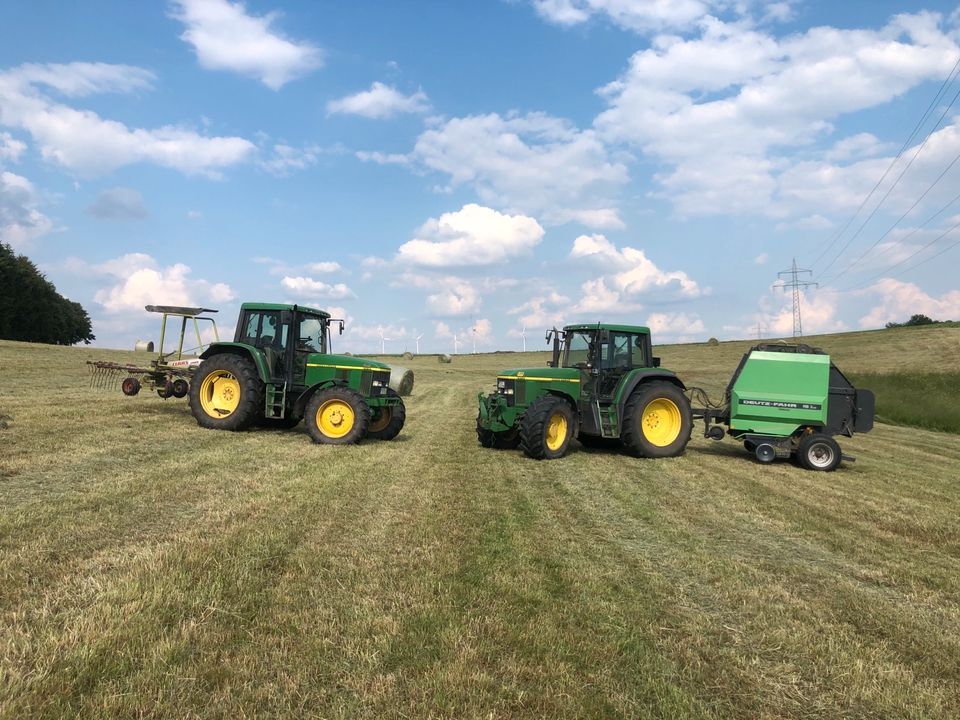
<point x="243" y="350"/>
<point x="639" y="377"/>
<point x="300" y="404"/>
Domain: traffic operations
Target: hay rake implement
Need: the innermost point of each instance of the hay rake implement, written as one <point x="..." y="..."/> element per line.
<point x="170" y="372"/>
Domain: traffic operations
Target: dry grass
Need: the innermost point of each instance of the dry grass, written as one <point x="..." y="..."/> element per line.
<point x="148" y="567"/>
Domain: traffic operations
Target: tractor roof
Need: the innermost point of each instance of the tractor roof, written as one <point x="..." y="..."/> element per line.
<point x="606" y="326"/>
<point x="279" y="306"/>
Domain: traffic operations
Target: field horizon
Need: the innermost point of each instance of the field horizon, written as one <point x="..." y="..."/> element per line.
<point x="153" y="568"/>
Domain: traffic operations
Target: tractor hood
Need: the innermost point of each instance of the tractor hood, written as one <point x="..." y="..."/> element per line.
<point x="350" y="361"/>
<point x="541" y="373"/>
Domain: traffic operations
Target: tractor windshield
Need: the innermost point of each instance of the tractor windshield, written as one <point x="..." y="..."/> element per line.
<point x="579" y="349"/>
<point x="313" y="336"/>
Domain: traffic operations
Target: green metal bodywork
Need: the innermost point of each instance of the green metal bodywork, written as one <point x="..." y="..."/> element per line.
<point x="800" y="398"/>
<point x="600" y="404"/>
<point x="288" y="390"/>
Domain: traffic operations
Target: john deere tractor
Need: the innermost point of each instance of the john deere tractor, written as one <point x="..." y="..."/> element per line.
<point x="277" y="371"/>
<point x="602" y="383"/>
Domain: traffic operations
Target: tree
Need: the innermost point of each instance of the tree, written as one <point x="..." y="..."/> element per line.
<point x="32" y="310"/>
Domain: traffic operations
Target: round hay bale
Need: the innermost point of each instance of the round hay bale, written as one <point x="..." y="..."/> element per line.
<point x="143" y="346"/>
<point x="713" y="341"/>
<point x="401" y="380"/>
<point x="408" y="356"/>
<point x="444" y="358"/>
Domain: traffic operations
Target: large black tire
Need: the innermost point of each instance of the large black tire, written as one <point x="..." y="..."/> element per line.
<point x="337" y="416"/>
<point x="387" y="422"/>
<point x="226" y="393"/>
<point x="819" y="452"/>
<point x="507" y="440"/>
<point x="657" y="421"/>
<point x="546" y="428"/>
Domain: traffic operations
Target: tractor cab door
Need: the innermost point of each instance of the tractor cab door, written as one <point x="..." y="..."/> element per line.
<point x="311" y="338"/>
<point x="267" y="331"/>
<point x="617" y="351"/>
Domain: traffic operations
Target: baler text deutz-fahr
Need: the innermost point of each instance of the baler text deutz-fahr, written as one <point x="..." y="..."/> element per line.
<point x="278" y="370"/>
<point x="603" y="382"/>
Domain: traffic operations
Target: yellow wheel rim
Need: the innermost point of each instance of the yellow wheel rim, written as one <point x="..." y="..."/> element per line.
<point x="661" y="422"/>
<point x="219" y="394"/>
<point x="335" y="418"/>
<point x="381" y="421"/>
<point x="556" y="431"/>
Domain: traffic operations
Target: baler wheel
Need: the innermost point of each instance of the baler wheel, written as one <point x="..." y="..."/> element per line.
<point x="546" y="428"/>
<point x="387" y="422"/>
<point x="819" y="452"/>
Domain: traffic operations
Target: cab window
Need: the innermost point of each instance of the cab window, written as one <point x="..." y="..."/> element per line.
<point x="579" y="346"/>
<point x="264" y="330"/>
<point x="311" y="337"/>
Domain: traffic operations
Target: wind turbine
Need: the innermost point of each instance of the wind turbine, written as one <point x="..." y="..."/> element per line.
<point x="473" y="332"/>
<point x="383" y="342"/>
<point x="523" y="334"/>
<point x="417" y="339"/>
<point x="456" y="344"/>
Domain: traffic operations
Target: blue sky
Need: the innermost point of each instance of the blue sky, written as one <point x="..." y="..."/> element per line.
<point x="473" y="169"/>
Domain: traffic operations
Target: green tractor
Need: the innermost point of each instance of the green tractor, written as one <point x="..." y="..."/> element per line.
<point x="278" y="370"/>
<point x="603" y="383"/>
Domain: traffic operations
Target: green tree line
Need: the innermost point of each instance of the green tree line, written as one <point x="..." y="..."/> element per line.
<point x="31" y="309"/>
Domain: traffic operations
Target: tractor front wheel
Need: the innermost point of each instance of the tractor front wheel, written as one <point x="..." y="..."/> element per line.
<point x="657" y="421"/>
<point x="546" y="428"/>
<point x="818" y="452"/>
<point x="226" y="393"/>
<point x="386" y="422"/>
<point x="337" y="416"/>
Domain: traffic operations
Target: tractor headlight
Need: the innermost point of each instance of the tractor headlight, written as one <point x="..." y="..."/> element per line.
<point x="379" y="383"/>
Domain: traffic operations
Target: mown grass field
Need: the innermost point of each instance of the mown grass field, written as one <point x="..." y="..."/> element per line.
<point x="151" y="568"/>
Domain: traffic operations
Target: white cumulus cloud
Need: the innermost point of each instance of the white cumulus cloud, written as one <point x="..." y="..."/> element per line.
<point x="380" y="101"/>
<point x="138" y="280"/>
<point x="473" y="235"/>
<point x="533" y="164"/>
<point x="308" y="287"/>
<point x="226" y="37"/>
<point x="90" y="145"/>
<point x="20" y="220"/>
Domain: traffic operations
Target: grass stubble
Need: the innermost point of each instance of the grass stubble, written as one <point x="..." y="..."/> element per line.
<point x="151" y="568"/>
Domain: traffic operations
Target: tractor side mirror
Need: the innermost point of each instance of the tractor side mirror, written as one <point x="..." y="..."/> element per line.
<point x="655" y="362"/>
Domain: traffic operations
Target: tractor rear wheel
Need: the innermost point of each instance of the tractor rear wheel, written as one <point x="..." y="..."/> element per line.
<point x="657" y="421"/>
<point x="818" y="452"/>
<point x="546" y="428"/>
<point x="226" y="393"/>
<point x="337" y="416"/>
<point x="386" y="422"/>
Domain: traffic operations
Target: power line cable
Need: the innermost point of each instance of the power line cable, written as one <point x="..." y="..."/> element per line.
<point x="914" y="254"/>
<point x="894" y="185"/>
<point x="943" y="87"/>
<point x="899" y="220"/>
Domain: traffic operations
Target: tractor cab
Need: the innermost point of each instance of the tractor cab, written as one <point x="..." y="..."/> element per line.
<point x="286" y="336"/>
<point x="603" y="354"/>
